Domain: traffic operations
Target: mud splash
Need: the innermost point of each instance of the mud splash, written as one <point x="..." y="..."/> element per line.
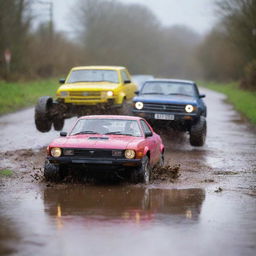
<point x="166" y="173"/>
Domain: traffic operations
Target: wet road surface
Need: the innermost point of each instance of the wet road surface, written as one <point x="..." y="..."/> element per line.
<point x="188" y="217"/>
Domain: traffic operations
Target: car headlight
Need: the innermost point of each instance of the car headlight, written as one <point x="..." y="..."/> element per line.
<point x="110" y="93"/>
<point x="189" y="108"/>
<point x="64" y="94"/>
<point x="139" y="105"/>
<point x="56" y="152"/>
<point x="129" y="153"/>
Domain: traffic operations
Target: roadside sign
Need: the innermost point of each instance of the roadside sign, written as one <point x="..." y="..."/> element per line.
<point x="7" y="56"/>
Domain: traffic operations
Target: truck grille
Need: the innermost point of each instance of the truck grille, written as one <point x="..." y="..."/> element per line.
<point x="84" y="95"/>
<point x="156" y="107"/>
<point x="95" y="153"/>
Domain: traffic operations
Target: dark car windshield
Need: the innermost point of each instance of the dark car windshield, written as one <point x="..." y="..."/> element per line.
<point x="168" y="88"/>
<point x="107" y="126"/>
<point x="93" y="75"/>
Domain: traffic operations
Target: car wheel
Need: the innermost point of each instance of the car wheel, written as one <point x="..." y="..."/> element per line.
<point x="42" y="121"/>
<point x="145" y="171"/>
<point x="126" y="108"/>
<point x="134" y="177"/>
<point x="198" y="132"/>
<point x="58" y="124"/>
<point x="51" y="172"/>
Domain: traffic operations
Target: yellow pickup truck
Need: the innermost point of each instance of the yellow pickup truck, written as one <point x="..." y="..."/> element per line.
<point x="86" y="90"/>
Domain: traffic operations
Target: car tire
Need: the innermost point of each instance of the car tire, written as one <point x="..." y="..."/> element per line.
<point x="42" y="121"/>
<point x="51" y="172"/>
<point x="145" y="171"/>
<point x="126" y="108"/>
<point x="58" y="124"/>
<point x="198" y="132"/>
<point x="134" y="176"/>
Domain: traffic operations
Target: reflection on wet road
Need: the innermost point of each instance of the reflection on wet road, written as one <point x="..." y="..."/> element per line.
<point x="125" y="220"/>
<point x="131" y="204"/>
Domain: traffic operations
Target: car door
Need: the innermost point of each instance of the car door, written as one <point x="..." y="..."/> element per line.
<point x="129" y="87"/>
<point x="152" y="142"/>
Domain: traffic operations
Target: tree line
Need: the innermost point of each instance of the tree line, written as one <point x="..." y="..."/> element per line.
<point x="109" y="32"/>
<point x="229" y="50"/>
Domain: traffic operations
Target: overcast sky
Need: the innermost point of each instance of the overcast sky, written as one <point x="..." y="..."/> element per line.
<point x="197" y="14"/>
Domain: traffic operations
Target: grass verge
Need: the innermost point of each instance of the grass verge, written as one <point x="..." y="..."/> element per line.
<point x="244" y="101"/>
<point x="14" y="96"/>
<point x="6" y="173"/>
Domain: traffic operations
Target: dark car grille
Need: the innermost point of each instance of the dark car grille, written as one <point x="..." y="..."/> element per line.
<point x="95" y="153"/>
<point x="156" y="107"/>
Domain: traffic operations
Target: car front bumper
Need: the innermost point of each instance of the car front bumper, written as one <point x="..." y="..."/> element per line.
<point x="148" y="115"/>
<point x="73" y="160"/>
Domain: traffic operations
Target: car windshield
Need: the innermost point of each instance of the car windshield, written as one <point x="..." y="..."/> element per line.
<point x="107" y="126"/>
<point x="93" y="75"/>
<point x="168" y="88"/>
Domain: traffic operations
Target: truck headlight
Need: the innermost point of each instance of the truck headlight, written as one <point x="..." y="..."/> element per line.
<point x="129" y="153"/>
<point x="63" y="94"/>
<point x="139" y="105"/>
<point x="56" y="152"/>
<point x="189" y="108"/>
<point x="110" y="93"/>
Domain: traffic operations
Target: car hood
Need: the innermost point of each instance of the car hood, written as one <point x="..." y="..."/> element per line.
<point x="97" y="141"/>
<point x="175" y="99"/>
<point x="88" y="86"/>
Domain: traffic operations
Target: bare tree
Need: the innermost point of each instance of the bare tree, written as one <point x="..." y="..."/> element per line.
<point x="115" y="33"/>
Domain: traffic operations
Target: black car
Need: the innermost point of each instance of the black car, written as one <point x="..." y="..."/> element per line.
<point x="173" y="103"/>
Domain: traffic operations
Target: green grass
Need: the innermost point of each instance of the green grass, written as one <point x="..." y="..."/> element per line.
<point x="244" y="101"/>
<point x="14" y="96"/>
<point x="6" y="173"/>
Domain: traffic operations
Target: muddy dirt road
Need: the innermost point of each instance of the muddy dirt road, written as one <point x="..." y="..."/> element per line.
<point x="209" y="210"/>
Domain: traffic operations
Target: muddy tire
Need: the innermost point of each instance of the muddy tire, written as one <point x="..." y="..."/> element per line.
<point x="143" y="173"/>
<point x="134" y="176"/>
<point x="58" y="124"/>
<point x="42" y="121"/>
<point x="126" y="108"/>
<point x="51" y="172"/>
<point x="198" y="132"/>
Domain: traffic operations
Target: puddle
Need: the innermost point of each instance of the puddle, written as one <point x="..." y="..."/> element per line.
<point x="125" y="220"/>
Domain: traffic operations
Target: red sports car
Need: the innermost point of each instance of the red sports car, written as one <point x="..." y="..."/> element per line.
<point x="126" y="145"/>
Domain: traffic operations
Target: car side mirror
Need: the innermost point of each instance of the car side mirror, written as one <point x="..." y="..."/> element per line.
<point x="137" y="92"/>
<point x="148" y="134"/>
<point x="202" y="96"/>
<point x="127" y="81"/>
<point x="62" y="81"/>
<point x="63" y="134"/>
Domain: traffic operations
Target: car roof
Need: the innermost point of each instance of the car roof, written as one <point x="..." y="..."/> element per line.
<point x="99" y="67"/>
<point x="171" y="80"/>
<point x="111" y="117"/>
